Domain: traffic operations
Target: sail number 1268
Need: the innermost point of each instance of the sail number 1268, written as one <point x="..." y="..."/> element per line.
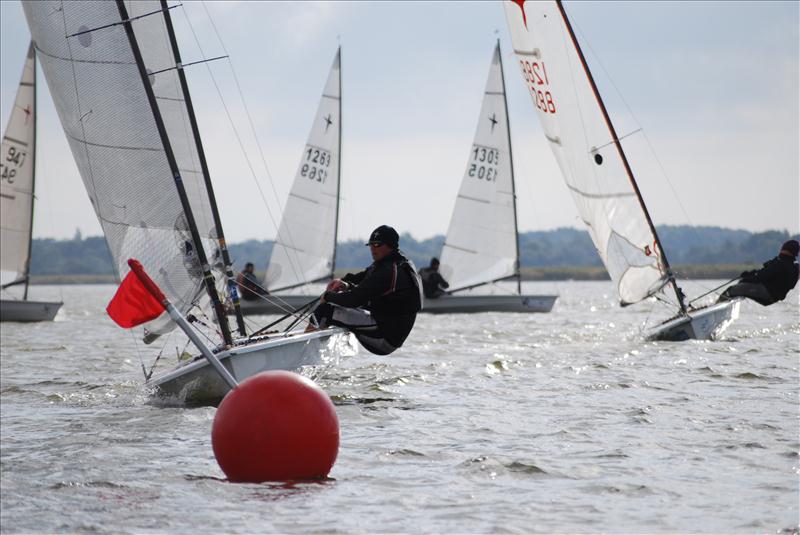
<point x="535" y="75"/>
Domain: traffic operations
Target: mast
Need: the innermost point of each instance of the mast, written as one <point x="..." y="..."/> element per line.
<point x="618" y="145"/>
<point x="27" y="273"/>
<point x="208" y="278"/>
<point x="511" y="161"/>
<point x="338" y="171"/>
<point x="204" y="166"/>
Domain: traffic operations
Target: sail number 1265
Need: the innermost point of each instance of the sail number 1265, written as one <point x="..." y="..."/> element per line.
<point x="535" y="75"/>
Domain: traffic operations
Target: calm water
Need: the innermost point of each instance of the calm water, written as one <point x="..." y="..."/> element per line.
<point x="502" y="423"/>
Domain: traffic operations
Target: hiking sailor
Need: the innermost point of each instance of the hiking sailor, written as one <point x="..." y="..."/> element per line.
<point x="378" y="305"/>
<point x="433" y="284"/>
<point x="772" y="282"/>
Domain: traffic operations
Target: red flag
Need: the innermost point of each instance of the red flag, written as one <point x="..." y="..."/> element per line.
<point x="133" y="304"/>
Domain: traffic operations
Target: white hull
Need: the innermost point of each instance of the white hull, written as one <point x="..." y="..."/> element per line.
<point x="196" y="382"/>
<point x="448" y="304"/>
<point x="12" y="310"/>
<point x="702" y="324"/>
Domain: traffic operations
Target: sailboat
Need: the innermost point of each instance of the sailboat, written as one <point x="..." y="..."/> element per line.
<point x="17" y="179"/>
<point x="305" y="247"/>
<point x="596" y="169"/>
<point x="117" y="79"/>
<point x="482" y="245"/>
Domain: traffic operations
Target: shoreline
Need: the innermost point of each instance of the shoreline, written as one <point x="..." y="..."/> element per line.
<point x="529" y="274"/>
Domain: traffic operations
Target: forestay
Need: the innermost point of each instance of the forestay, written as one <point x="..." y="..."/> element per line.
<point x="481" y="241"/>
<point x="16" y="178"/>
<point x="107" y="118"/>
<point x="305" y="245"/>
<point x="590" y="160"/>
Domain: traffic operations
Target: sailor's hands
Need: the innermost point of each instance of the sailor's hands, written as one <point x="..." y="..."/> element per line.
<point x="336" y="285"/>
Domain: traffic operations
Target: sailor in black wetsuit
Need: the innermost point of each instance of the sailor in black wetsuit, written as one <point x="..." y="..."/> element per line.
<point x="380" y="304"/>
<point x="772" y="282"/>
<point x="433" y="284"/>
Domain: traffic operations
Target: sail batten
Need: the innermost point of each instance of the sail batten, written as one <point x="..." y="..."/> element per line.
<point x="483" y="222"/>
<point x="586" y="148"/>
<point x="305" y="246"/>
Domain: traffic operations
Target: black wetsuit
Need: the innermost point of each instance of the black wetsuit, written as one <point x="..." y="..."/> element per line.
<point x="432" y="282"/>
<point x="389" y="290"/>
<point x="777" y="277"/>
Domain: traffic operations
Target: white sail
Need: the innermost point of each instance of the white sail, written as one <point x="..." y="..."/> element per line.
<point x="581" y="140"/>
<point x="92" y="73"/>
<point x="154" y="43"/>
<point x="16" y="178"/>
<point x="152" y="36"/>
<point x="481" y="242"/>
<point x="305" y="245"/>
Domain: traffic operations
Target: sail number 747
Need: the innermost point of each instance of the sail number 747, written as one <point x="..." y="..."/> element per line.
<point x="11" y="164"/>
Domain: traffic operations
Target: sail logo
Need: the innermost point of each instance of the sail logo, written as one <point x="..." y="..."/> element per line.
<point x="521" y="4"/>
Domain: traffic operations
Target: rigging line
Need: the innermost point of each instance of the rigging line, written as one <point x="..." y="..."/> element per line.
<point x="233" y="126"/>
<point x="139" y="354"/>
<point x="294" y="265"/>
<point x="272" y="299"/>
<point x="640" y="128"/>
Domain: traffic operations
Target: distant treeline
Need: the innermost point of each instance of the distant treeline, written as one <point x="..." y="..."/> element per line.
<point x="569" y="249"/>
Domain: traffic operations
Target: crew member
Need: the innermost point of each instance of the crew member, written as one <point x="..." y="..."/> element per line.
<point x="250" y="289"/>
<point x="380" y="304"/>
<point x="772" y="282"/>
<point x="433" y="284"/>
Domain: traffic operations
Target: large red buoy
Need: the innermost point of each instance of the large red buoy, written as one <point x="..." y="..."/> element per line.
<point x="275" y="426"/>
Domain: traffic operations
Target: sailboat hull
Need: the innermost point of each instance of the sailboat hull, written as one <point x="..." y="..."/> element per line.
<point x="28" y="311"/>
<point x="451" y="304"/>
<point x="197" y="383"/>
<point x="702" y="324"/>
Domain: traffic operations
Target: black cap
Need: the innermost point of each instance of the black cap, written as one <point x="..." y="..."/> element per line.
<point x="384" y="235"/>
<point x="791" y="246"/>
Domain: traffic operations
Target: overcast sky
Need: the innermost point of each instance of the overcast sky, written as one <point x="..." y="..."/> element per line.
<point x="714" y="86"/>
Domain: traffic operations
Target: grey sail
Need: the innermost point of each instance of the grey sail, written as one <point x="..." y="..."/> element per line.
<point x="93" y="77"/>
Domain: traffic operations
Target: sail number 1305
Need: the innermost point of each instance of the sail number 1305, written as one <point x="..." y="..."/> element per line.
<point x="535" y="75"/>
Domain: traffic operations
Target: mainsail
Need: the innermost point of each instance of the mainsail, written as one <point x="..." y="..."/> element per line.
<point x="93" y="75"/>
<point x="585" y="146"/>
<point x="17" y="161"/>
<point x="306" y="242"/>
<point x="481" y="242"/>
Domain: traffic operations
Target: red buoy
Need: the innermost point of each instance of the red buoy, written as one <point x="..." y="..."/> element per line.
<point x="275" y="426"/>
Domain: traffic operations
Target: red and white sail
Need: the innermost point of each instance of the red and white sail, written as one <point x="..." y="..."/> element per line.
<point x="581" y="138"/>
